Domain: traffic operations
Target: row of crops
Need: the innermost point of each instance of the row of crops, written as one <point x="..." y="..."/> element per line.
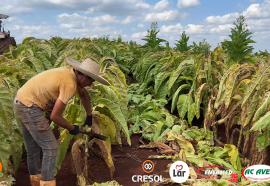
<point x="159" y="91"/>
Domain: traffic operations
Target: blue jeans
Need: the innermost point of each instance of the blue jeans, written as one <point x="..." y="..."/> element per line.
<point x="37" y="135"/>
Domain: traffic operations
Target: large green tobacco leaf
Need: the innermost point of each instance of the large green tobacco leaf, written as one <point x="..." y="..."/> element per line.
<point x="6" y="106"/>
<point x="263" y="140"/>
<point x="175" y="96"/>
<point x="110" y="183"/>
<point x="221" y="89"/>
<point x="231" y="83"/>
<point x="255" y="82"/>
<point x="262" y="123"/>
<point x="149" y="132"/>
<point x="116" y="111"/>
<point x="37" y="64"/>
<point x="182" y="141"/>
<point x="263" y="108"/>
<point x="161" y="77"/>
<point x="159" y="126"/>
<point x="191" y="112"/>
<point x="16" y="150"/>
<point x="162" y="91"/>
<point x="5" y="150"/>
<point x="252" y="107"/>
<point x="182" y="105"/>
<point x="182" y="67"/>
<point x="198" y="99"/>
<point x="234" y="156"/>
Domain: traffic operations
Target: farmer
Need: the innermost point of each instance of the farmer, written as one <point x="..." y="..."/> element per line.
<point x="50" y="91"/>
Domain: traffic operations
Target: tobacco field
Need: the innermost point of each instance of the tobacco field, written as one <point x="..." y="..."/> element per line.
<point x="187" y="102"/>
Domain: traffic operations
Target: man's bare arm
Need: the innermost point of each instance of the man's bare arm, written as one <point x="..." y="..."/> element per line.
<point x="85" y="100"/>
<point x="56" y="115"/>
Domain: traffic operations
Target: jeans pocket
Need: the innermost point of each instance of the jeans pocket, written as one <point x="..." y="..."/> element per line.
<point x="39" y="121"/>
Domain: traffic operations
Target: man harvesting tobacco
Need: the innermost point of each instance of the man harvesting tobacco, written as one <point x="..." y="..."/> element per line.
<point x="50" y="91"/>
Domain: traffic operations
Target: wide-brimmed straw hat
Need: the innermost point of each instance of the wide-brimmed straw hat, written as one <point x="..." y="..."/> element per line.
<point x="89" y="68"/>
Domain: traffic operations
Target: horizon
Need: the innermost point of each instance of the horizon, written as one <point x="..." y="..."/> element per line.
<point x="201" y="19"/>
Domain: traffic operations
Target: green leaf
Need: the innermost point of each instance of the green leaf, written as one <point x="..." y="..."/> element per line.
<point x="182" y="105"/>
<point x="198" y="99"/>
<point x="175" y="96"/>
<point x="5" y="149"/>
<point x="231" y="83"/>
<point x="116" y="111"/>
<point x="191" y="113"/>
<point x="262" y="123"/>
<point x="255" y="82"/>
<point x="263" y="108"/>
<point x="183" y="66"/>
<point x="263" y="140"/>
<point x="234" y="156"/>
<point x="221" y="89"/>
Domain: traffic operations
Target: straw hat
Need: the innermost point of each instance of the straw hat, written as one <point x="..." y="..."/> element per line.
<point x="89" y="68"/>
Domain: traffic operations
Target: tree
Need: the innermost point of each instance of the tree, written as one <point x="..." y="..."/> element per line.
<point x="153" y="42"/>
<point x="238" y="48"/>
<point x="182" y="43"/>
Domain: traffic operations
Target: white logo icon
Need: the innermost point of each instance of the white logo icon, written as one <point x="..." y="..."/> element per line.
<point x="148" y="166"/>
<point x="179" y="172"/>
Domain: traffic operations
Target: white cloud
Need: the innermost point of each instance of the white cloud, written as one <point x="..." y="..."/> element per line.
<point x="66" y="25"/>
<point x="259" y="24"/>
<point x="128" y="20"/>
<point x="194" y="29"/>
<point x="171" y="29"/>
<point x="140" y="25"/>
<point x="94" y="36"/>
<point x="161" y="5"/>
<point x="222" y="28"/>
<point x="78" y="21"/>
<point x="187" y="3"/>
<point x="90" y="11"/>
<point x="171" y="15"/>
<point x="111" y="7"/>
<point x="139" y="35"/>
<point x="143" y="5"/>
<point x="258" y="10"/>
<point x="78" y="30"/>
<point x="228" y="18"/>
<point x="101" y="29"/>
<point x="13" y="20"/>
<point x="13" y="8"/>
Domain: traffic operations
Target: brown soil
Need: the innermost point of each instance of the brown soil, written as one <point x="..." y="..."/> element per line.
<point x="125" y="167"/>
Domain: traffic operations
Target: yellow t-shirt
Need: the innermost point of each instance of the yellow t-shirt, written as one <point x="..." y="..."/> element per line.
<point x="43" y="89"/>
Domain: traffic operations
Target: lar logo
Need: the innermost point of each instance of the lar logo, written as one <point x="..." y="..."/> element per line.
<point x="179" y="171"/>
<point x="257" y="172"/>
<point x="148" y="166"/>
<point x="0" y="168"/>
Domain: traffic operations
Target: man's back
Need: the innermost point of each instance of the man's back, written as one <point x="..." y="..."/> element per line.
<point x="43" y="89"/>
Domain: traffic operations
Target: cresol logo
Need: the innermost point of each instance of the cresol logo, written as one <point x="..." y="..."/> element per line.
<point x="257" y="172"/>
<point x="148" y="167"/>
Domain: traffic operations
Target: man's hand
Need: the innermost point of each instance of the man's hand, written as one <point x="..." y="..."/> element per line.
<point x="75" y="131"/>
<point x="88" y="121"/>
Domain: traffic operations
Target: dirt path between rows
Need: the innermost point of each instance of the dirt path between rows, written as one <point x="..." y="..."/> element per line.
<point x="125" y="167"/>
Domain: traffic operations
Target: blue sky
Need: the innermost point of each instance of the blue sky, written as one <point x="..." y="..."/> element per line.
<point x="201" y="19"/>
